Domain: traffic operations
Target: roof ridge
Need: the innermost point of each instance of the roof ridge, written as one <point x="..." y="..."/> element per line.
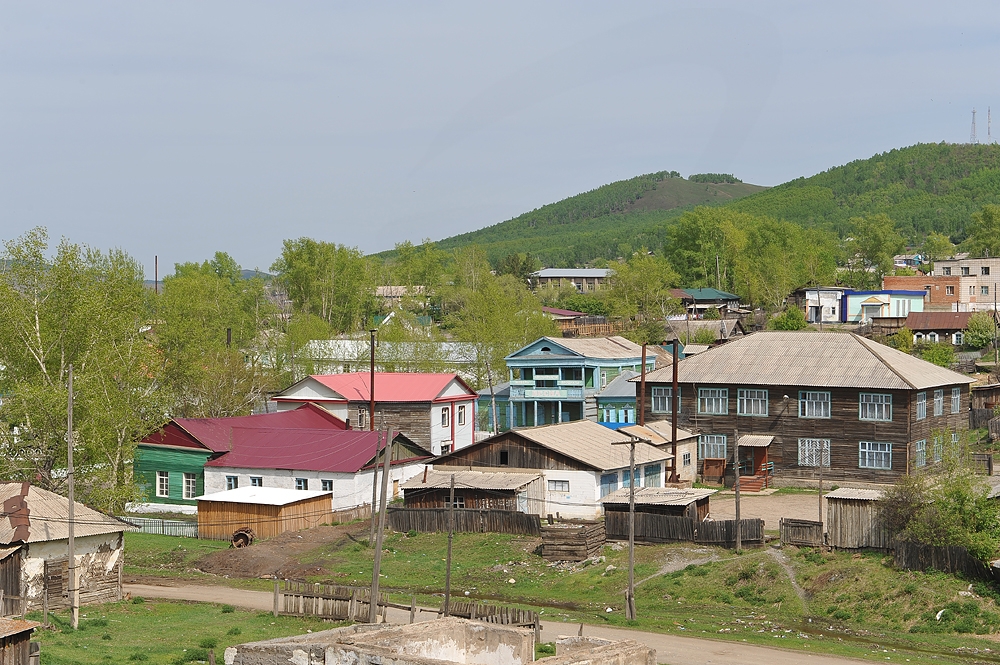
<point x="888" y="365"/>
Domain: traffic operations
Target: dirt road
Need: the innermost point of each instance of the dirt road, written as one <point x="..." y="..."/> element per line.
<point x="670" y="649"/>
<point x="768" y="508"/>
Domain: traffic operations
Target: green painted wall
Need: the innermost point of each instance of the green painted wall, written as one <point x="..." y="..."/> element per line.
<point x="150" y="459"/>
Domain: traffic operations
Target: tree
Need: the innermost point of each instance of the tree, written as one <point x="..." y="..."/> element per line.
<point x="640" y="287"/>
<point x="938" y="353"/>
<point x="981" y="330"/>
<point x="791" y="319"/>
<point x="937" y="246"/>
<point x="871" y="246"/>
<point x="902" y="340"/>
<point x="983" y="232"/>
<point x="519" y="265"/>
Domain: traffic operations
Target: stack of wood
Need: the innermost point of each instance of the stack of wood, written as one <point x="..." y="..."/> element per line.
<point x="572" y="542"/>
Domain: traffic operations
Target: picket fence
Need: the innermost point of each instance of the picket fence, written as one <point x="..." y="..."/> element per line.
<point x="163" y="527"/>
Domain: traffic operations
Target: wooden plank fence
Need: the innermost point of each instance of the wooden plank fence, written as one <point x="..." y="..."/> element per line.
<point x="572" y="542"/>
<point x="507" y="616"/>
<point x="804" y="533"/>
<point x="163" y="527"/>
<point x="954" y="559"/>
<point x="351" y="514"/>
<point x="723" y="532"/>
<point x="649" y="527"/>
<point x="328" y="601"/>
<point x="467" y="520"/>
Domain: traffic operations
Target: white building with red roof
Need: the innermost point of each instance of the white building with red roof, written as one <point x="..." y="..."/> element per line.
<point x="435" y="411"/>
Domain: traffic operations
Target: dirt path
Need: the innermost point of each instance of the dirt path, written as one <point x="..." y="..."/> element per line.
<point x="782" y="560"/>
<point x="768" y="508"/>
<point x="670" y="649"/>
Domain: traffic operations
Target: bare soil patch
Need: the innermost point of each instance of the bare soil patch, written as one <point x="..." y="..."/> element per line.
<point x="769" y="508"/>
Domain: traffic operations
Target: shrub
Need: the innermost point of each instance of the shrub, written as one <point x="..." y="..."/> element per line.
<point x="980" y="331"/>
<point x="940" y="353"/>
<point x="138" y="656"/>
<point x="138" y="600"/>
<point x="208" y="643"/>
<point x="228" y="609"/>
<point x="235" y="630"/>
<point x="791" y="319"/>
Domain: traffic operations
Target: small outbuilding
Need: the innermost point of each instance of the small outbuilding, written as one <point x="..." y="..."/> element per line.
<point x="854" y="520"/>
<point x="267" y="510"/>
<point x="480" y="490"/>
<point x="15" y="641"/>
<point x="690" y="503"/>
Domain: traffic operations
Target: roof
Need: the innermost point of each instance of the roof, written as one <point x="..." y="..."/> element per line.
<point x="810" y="359"/>
<point x="563" y="312"/>
<point x="693" y="349"/>
<point x="333" y="451"/>
<point x="10" y="627"/>
<point x="708" y="295"/>
<point x="390" y="386"/>
<point x="215" y="433"/>
<point x="499" y="390"/>
<point x="620" y="386"/>
<point x="265" y="496"/>
<point x="358" y="350"/>
<point x="34" y="515"/>
<point x="571" y="272"/>
<point x="755" y="440"/>
<point x="721" y="328"/>
<point x="591" y="444"/>
<point x="919" y="321"/>
<point x="851" y="493"/>
<point x="600" y="347"/>
<point x="482" y="480"/>
<point x="659" y="496"/>
<point x="658" y="432"/>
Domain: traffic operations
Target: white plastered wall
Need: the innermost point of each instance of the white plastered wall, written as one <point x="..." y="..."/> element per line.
<point x="95" y="555"/>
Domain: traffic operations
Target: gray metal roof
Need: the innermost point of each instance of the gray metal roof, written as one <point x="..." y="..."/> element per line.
<point x="854" y="494"/>
<point x="659" y="432"/>
<point x="43" y="515"/>
<point x="264" y="496"/>
<point x="755" y="440"/>
<point x="483" y="480"/>
<point x="810" y="359"/>
<point x="620" y="386"/>
<point x="592" y="444"/>
<point x="499" y="390"/>
<point x="602" y="347"/>
<point x="658" y="496"/>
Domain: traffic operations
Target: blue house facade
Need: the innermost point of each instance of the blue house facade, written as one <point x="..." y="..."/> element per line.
<point x="858" y="306"/>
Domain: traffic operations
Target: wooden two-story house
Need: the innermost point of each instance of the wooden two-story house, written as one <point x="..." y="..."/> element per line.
<point x="792" y="401"/>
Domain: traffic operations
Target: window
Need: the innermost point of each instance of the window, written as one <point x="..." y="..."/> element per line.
<point x="938" y="448"/>
<point x="949" y="290"/>
<point x="921" y="457"/>
<point x="559" y="486"/>
<point x="604" y="380"/>
<point x="956" y="400"/>
<point x="921" y="406"/>
<point x="190" y="486"/>
<point x="232" y="482"/>
<point x="874" y="455"/>
<point x="932" y="336"/>
<point x="814" y="404"/>
<point x="362" y="419"/>
<point x="651" y="475"/>
<point x="965" y="271"/>
<point x="873" y="406"/>
<point x="958" y="339"/>
<point x="984" y="290"/>
<point x="938" y="402"/>
<point x="661" y="399"/>
<point x="686" y="459"/>
<point x="256" y="481"/>
<point x="445" y="417"/>
<point x="461" y="415"/>
<point x="751" y="402"/>
<point x="813" y="452"/>
<point x="301" y="483"/>
<point x="972" y="290"/>
<point x="712" y="446"/>
<point x="713" y="401"/>
<point x="459" y="501"/>
<point x="946" y="271"/>
<point x="626" y="474"/>
<point x="609" y="483"/>
<point x="162" y="483"/>
<point x="326" y="485"/>
<point x="504" y="458"/>
<point x="985" y="270"/>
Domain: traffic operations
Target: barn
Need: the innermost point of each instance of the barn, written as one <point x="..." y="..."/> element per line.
<point x="267" y="510"/>
<point x="854" y="521"/>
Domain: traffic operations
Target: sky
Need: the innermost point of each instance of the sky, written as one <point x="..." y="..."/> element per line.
<point x="180" y="129"/>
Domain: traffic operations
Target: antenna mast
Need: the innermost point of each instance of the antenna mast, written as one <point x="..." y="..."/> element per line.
<point x="972" y="135"/>
<point x="989" y="125"/>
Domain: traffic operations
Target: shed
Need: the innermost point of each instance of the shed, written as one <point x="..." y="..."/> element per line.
<point x="690" y="503"/>
<point x="267" y="510"/>
<point x="15" y="641"/>
<point x="854" y="520"/>
<point x="480" y="490"/>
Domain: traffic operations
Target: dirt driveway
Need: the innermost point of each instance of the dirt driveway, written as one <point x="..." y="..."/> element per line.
<point x="768" y="508"/>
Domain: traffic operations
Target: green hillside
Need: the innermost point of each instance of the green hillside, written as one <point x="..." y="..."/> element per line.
<point x="923" y="188"/>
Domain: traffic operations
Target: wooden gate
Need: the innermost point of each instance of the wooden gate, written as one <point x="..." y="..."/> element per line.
<point x="723" y="532"/>
<point x="804" y="533"/>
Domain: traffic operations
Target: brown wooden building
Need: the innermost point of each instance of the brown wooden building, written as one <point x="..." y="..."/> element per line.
<point x="478" y="490"/>
<point x="862" y="410"/>
<point x="267" y="510"/>
<point x="15" y="641"/>
<point x="690" y="503"/>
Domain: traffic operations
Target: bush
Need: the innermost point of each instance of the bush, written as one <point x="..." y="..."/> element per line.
<point x="228" y="609"/>
<point x="703" y="336"/>
<point x="980" y="331"/>
<point x="235" y="630"/>
<point x="208" y="643"/>
<point x="791" y="319"/>
<point x="940" y="353"/>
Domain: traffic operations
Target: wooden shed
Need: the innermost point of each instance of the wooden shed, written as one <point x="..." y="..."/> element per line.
<point x="854" y="521"/>
<point x="267" y="510"/>
<point x="15" y="641"/>
<point x="480" y="490"/>
<point x="689" y="503"/>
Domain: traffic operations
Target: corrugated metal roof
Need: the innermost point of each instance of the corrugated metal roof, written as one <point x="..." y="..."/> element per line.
<point x="659" y="432"/>
<point x="43" y="515"/>
<point x="658" y="496"/>
<point x="572" y="272"/>
<point x="264" y="496"/>
<point x="389" y="386"/>
<point x="592" y="444"/>
<point x="854" y="494"/>
<point x="755" y="440"/>
<point x="483" y="480"/>
<point x="620" y="386"/>
<point x="601" y="347"/>
<point x="10" y="627"/>
<point x="937" y="321"/>
<point x="555" y="311"/>
<point x="810" y="359"/>
<point x="499" y="390"/>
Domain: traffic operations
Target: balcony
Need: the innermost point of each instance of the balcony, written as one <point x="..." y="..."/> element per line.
<point x="531" y="393"/>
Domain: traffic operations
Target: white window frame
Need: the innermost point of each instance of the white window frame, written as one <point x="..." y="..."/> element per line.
<point x="661" y="399"/>
<point x="713" y="401"/>
<point x="958" y="339"/>
<point x="561" y="486"/>
<point x="875" y="407"/>
<point x="446" y="417"/>
<point x="652" y="475"/>
<point x="713" y="443"/>
<point x="813" y="452"/>
<point x="163" y="484"/>
<point x="956" y="400"/>
<point x="459" y="501"/>
<point x="461" y="415"/>
<point x="811" y="406"/>
<point x="686" y="459"/>
<point x="938" y="453"/>
<point x="232" y="482"/>
<point x="920" y="458"/>
<point x="256" y="481"/>
<point x="751" y="402"/>
<point x="921" y="406"/>
<point x="939" y="402"/>
<point x="875" y="455"/>
<point x="302" y="483"/>
<point x="326" y="484"/>
<point x="190" y="485"/>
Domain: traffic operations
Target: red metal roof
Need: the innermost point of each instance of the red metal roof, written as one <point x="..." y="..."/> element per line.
<point x="300" y="449"/>
<point x="391" y="386"/>
<point x="562" y="312"/>
<point x="937" y="321"/>
<point x="214" y="433"/>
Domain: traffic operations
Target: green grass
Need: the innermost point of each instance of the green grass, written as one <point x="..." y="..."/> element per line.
<point x="166" y="556"/>
<point x="158" y="632"/>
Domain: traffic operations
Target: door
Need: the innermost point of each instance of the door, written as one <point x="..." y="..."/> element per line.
<point x="10" y="583"/>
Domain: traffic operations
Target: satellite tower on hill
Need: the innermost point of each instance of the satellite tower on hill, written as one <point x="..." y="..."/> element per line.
<point x="972" y="136"/>
<point x="989" y="126"/>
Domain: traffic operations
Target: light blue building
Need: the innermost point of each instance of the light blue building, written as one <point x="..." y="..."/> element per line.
<point x="861" y="306"/>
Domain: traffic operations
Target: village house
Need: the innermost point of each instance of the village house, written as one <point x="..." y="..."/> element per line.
<point x="863" y="306"/>
<point x="267" y="511"/>
<point x="616" y="403"/>
<point x="584" y="280"/>
<point x="688" y="329"/>
<point x="344" y="356"/>
<point x="697" y="301"/>
<point x="435" y="411"/>
<point x="169" y="464"/>
<point x="659" y="433"/>
<point x="863" y="411"/>
<point x="34" y="542"/>
<point x="980" y="277"/>
<point x="821" y="304"/>
<point x="939" y="326"/>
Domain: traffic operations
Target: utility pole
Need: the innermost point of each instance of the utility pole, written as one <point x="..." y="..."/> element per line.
<point x="642" y="388"/>
<point x="972" y="136"/>
<point x="821" y="483"/>
<point x="74" y="589"/>
<point x="156" y="274"/>
<point x="451" y="535"/>
<point x="673" y="416"/>
<point x="373" y="605"/>
<point x="718" y="275"/>
<point x="371" y="427"/>
<point x="736" y="466"/>
<point x="630" y="594"/>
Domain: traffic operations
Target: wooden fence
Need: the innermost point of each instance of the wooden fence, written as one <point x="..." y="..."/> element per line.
<point x="804" y="533"/>
<point x="328" y="601"/>
<point x="983" y="462"/>
<point x="352" y="514"/>
<point x="652" y="528"/>
<point x="163" y="527"/>
<point x="723" y="532"/>
<point x="916" y="556"/>
<point x="980" y="418"/>
<point x="508" y="616"/>
<point x="572" y="542"/>
<point x="426" y="520"/>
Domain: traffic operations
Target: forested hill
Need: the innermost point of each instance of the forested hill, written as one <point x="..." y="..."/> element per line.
<point x="599" y="223"/>
<point x="923" y="188"/>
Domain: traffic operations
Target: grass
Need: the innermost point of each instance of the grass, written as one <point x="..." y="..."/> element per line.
<point x="158" y="632"/>
<point x="166" y="556"/>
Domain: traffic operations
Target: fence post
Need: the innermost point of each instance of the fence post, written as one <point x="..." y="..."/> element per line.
<point x="538" y="629"/>
<point x="275" y="597"/>
<point x="413" y="608"/>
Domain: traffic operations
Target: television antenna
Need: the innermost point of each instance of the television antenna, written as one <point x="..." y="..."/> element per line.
<point x="972" y="135"/>
<point x="989" y="126"/>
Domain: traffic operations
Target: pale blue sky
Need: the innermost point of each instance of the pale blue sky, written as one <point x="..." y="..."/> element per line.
<point x="183" y="128"/>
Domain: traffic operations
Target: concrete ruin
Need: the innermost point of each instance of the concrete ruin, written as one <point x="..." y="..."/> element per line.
<point x="447" y="640"/>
